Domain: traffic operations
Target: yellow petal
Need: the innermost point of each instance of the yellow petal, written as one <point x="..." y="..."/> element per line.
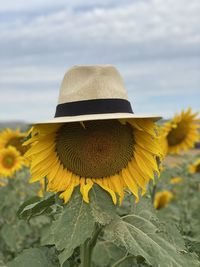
<point x="45" y="163"/>
<point x="103" y="184"/>
<point x="137" y="176"/>
<point x="148" y="143"/>
<point x="149" y="158"/>
<point x="145" y="169"/>
<point x="117" y="185"/>
<point x="42" y="154"/>
<point x="66" y="195"/>
<point x="146" y="125"/>
<point x="39" y="147"/>
<point x="86" y="185"/>
<point x="130" y="183"/>
<point x="36" y="178"/>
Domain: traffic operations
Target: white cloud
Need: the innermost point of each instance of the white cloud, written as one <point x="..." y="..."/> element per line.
<point x="155" y="44"/>
<point x="32" y="5"/>
<point x="156" y="22"/>
<point x="29" y="74"/>
<point x="28" y="97"/>
<point x="26" y="105"/>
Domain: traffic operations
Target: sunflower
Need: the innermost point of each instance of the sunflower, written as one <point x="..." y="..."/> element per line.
<point x="9" y="137"/>
<point x="2" y="183"/>
<point x="10" y="161"/>
<point x="162" y="199"/>
<point x="176" y="180"/>
<point x="195" y="167"/>
<point x="163" y="144"/>
<point x="181" y="133"/>
<point x="14" y="138"/>
<point x="114" y="154"/>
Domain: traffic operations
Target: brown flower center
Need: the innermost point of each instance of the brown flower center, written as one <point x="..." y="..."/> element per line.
<point x="101" y="149"/>
<point x="8" y="161"/>
<point x="177" y="135"/>
<point x="198" y="168"/>
<point x="17" y="143"/>
<point x="163" y="201"/>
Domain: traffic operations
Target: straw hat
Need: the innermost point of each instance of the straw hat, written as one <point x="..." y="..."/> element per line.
<point x="94" y="92"/>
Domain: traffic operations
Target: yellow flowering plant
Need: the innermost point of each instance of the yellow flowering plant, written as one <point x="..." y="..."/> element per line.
<point x="181" y="133"/>
<point x="10" y="161"/>
<point x="90" y="211"/>
<point x="195" y="166"/>
<point x="162" y="199"/>
<point x="113" y="154"/>
<point x="176" y="180"/>
<point x="15" y="139"/>
<point x="98" y="159"/>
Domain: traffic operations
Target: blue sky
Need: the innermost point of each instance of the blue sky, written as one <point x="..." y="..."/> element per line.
<point x="155" y="44"/>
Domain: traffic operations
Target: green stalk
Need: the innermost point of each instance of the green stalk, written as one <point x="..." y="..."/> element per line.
<point x="45" y="184"/>
<point x="88" y="246"/>
<point x="153" y="192"/>
<point x="126" y="256"/>
<point x="86" y="254"/>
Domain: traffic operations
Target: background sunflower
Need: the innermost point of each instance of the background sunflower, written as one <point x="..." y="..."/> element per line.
<point x="14" y="138"/>
<point x="181" y="133"/>
<point x="113" y="154"/>
<point x="195" y="167"/>
<point x="162" y="199"/>
<point x="10" y="161"/>
<point x="176" y="180"/>
<point x="2" y="183"/>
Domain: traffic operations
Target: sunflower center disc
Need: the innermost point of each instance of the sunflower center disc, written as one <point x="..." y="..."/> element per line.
<point x="177" y="135"/>
<point x="17" y="143"/>
<point x="162" y="202"/>
<point x="198" y="168"/>
<point x="8" y="162"/>
<point x="101" y="149"/>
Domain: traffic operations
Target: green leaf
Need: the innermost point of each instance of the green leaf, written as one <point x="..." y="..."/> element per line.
<point x="107" y="253"/>
<point x="141" y="237"/>
<point x="47" y="237"/>
<point x="74" y="223"/>
<point x="9" y="236"/>
<point x="101" y="205"/>
<point x="73" y="226"/>
<point x="35" y="207"/>
<point x="31" y="200"/>
<point x="34" y="257"/>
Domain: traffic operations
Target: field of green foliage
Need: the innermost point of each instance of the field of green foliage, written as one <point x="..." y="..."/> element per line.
<point x="33" y="230"/>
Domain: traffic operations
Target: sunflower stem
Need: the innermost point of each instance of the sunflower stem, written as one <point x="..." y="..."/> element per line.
<point x="45" y="184"/>
<point x="88" y="246"/>
<point x="86" y="254"/>
<point x="153" y="193"/>
<point x="123" y="259"/>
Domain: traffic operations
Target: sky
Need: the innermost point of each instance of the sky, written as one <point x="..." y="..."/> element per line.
<point x="155" y="44"/>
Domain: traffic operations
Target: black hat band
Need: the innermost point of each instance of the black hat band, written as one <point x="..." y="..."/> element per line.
<point x="93" y="106"/>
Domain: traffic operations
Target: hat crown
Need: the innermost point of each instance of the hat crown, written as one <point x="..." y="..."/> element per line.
<point x="91" y="82"/>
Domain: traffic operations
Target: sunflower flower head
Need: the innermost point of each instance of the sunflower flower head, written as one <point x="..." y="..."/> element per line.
<point x="2" y="183"/>
<point x="194" y="167"/>
<point x="181" y="133"/>
<point x="14" y="138"/>
<point x="176" y="180"/>
<point x="162" y="199"/>
<point x="10" y="161"/>
<point x="116" y="155"/>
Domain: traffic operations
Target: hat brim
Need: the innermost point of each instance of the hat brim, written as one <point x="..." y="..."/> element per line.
<point x="94" y="117"/>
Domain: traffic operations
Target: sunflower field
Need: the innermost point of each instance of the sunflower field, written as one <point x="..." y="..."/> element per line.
<point x="101" y="194"/>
